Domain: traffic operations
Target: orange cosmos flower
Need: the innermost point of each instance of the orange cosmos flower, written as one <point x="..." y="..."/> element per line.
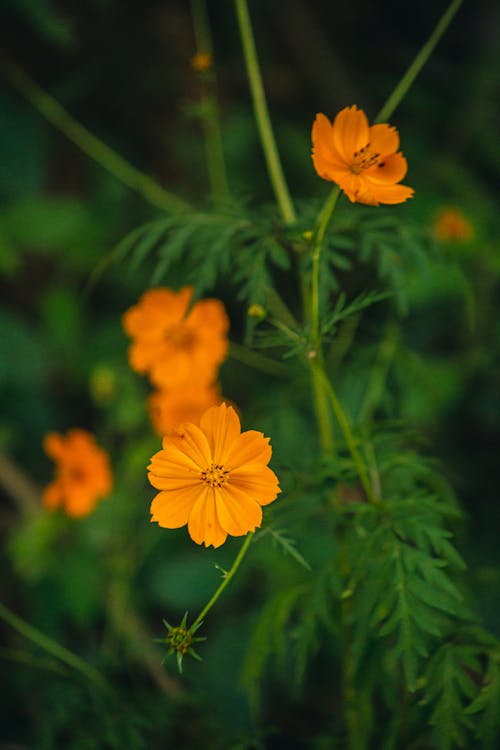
<point x="83" y="473"/>
<point x="451" y="225"/>
<point x="364" y="161"/>
<point x="214" y="478"/>
<point x="187" y="403"/>
<point x="173" y="346"/>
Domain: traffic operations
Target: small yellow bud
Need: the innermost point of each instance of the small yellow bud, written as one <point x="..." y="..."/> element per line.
<point x="256" y="311"/>
<point x="308" y="235"/>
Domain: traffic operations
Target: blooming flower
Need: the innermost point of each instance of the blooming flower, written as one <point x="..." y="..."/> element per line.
<point x="451" y="225"/>
<point x="172" y="345"/>
<point x="186" y="403"/>
<point x="214" y="478"/>
<point x="364" y="161"/>
<point x="83" y="472"/>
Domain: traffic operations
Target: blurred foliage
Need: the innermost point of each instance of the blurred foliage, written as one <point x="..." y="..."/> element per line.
<point x="414" y="350"/>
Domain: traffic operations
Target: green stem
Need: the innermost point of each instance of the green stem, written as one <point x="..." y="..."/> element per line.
<point x="262" y="115"/>
<point x="210" y="115"/>
<point x="257" y="361"/>
<point x="51" y="647"/>
<point x="323" y="221"/>
<point x="227" y="577"/>
<point x="322" y="407"/>
<point x="418" y="63"/>
<point x="88" y="143"/>
<point x="349" y="439"/>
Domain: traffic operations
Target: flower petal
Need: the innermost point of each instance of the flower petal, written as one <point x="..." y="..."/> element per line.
<point x="384" y="139"/>
<point x="237" y="511"/>
<point x="171" y="509"/>
<point x="390" y="170"/>
<point x="222" y="427"/>
<point x="350" y="132"/>
<point x="203" y="524"/>
<point x="390" y="194"/>
<point x="260" y="482"/>
<point x="249" y="447"/>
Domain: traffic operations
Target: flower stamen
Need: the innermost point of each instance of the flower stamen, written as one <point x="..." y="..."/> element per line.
<point x="364" y="159"/>
<point x="215" y="475"/>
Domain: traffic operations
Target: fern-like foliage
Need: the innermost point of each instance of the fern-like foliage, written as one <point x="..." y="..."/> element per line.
<point x="450" y="685"/>
<point x="399" y="585"/>
<point x="231" y="242"/>
<point x="485" y="708"/>
<point x="290" y="630"/>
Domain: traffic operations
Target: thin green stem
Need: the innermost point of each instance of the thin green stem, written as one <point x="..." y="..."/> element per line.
<point x="323" y="221"/>
<point x="225" y="581"/>
<point x="209" y="110"/>
<point x="262" y="115"/>
<point x="349" y="439"/>
<point x="136" y="180"/>
<point x="51" y="647"/>
<point x="257" y="361"/>
<point x="322" y="407"/>
<point x="418" y="63"/>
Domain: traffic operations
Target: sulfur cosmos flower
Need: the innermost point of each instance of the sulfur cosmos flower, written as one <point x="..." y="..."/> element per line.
<point x="214" y="478"/>
<point x="174" y="346"/>
<point x="186" y="403"/>
<point x="83" y="472"/>
<point x="363" y="161"/>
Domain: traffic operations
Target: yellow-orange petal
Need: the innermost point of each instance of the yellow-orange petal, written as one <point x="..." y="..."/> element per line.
<point x="237" y="511"/>
<point x="249" y="447"/>
<point x="203" y="524"/>
<point x="391" y="194"/>
<point x="260" y="482"/>
<point x="389" y="171"/>
<point x="384" y="139"/>
<point x="222" y="427"/>
<point x="171" y="509"/>
<point x="188" y="447"/>
<point x="54" y="445"/>
<point x="350" y="131"/>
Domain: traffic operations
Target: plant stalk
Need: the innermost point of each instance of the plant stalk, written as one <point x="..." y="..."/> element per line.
<point x="262" y="115"/>
<point x="225" y="581"/>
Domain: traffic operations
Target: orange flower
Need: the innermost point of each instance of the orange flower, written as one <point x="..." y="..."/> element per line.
<point x="187" y="403"/>
<point x="364" y="161"/>
<point x="173" y="346"/>
<point x="451" y="225"/>
<point x="83" y="472"/>
<point x="214" y="478"/>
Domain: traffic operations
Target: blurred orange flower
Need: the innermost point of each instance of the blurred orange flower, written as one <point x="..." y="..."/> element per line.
<point x="214" y="478"/>
<point x="187" y="403"/>
<point x="451" y="225"/>
<point x="83" y="472"/>
<point x="174" y="346"/>
<point x="364" y="161"/>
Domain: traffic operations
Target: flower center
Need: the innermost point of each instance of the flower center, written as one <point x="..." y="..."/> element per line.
<point x="179" y="337"/>
<point x="215" y="475"/>
<point x="364" y="159"/>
